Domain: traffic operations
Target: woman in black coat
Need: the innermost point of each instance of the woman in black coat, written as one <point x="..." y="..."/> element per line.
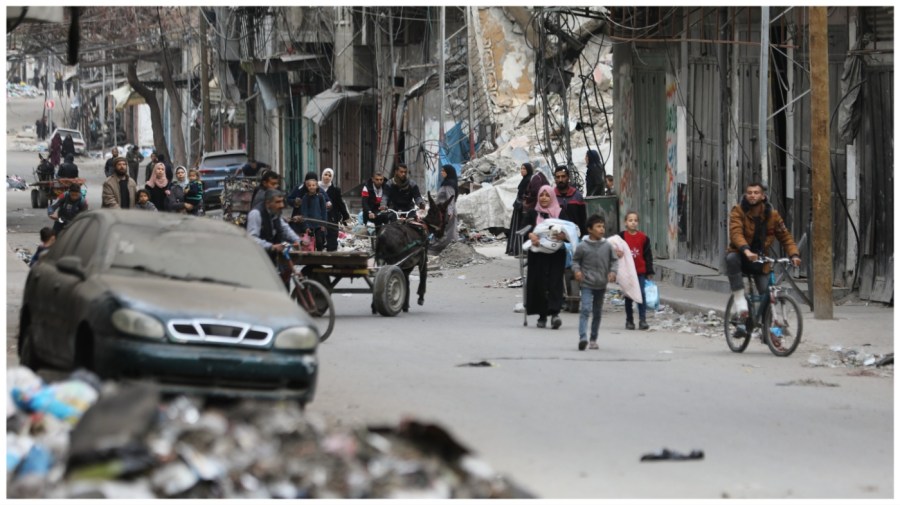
<point x="595" y="177"/>
<point x="337" y="211"/>
<point x="513" y="244"/>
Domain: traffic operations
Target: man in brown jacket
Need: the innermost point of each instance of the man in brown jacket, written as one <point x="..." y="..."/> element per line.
<point x="119" y="188"/>
<point x="753" y="227"/>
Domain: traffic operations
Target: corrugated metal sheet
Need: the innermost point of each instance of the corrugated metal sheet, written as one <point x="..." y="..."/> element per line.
<point x="650" y="109"/>
<point x="703" y="209"/>
<point x="877" y="185"/>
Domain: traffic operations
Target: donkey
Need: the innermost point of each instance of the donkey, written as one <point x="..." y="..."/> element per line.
<point x="406" y="241"/>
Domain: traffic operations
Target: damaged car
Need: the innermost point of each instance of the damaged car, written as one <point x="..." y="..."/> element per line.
<point x="190" y="303"/>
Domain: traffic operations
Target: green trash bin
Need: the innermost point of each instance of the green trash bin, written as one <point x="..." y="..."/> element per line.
<point x="608" y="207"/>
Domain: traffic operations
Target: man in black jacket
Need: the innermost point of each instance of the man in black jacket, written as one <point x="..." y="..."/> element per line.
<point x="68" y="170"/>
<point x="401" y="193"/>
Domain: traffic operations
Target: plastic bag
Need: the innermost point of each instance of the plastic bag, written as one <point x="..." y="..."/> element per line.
<point x="651" y="293"/>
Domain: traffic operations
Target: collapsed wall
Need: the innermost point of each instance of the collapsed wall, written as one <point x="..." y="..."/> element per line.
<point x="524" y="137"/>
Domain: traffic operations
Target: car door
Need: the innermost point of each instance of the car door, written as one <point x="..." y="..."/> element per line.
<point x="65" y="311"/>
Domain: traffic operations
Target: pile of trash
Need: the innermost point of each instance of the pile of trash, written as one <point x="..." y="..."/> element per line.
<point x="22" y="90"/>
<point x="16" y="182"/>
<point x="839" y="356"/>
<point x="81" y="438"/>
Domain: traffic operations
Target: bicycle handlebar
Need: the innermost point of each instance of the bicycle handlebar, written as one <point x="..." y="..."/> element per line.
<point x="400" y="214"/>
<point x="766" y="259"/>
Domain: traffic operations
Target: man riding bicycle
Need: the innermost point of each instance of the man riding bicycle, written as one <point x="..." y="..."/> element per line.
<point x="268" y="229"/>
<point x="752" y="228"/>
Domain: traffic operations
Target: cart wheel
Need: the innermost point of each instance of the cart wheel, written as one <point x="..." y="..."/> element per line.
<point x="42" y="200"/>
<point x="34" y="198"/>
<point x="389" y="292"/>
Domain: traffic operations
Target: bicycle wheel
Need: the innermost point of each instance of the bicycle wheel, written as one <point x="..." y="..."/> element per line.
<point x="315" y="300"/>
<point x="783" y="326"/>
<point x="736" y="334"/>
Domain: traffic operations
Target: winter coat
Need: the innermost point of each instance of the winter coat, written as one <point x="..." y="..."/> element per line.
<point x="111" y="196"/>
<point x="595" y="259"/>
<point x="742" y="225"/>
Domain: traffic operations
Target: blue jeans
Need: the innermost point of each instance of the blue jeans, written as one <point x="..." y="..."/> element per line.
<point x="591" y="303"/>
<point x="642" y="307"/>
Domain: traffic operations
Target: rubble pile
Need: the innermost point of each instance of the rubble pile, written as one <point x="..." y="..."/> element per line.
<point x="846" y="357"/>
<point x="456" y="255"/>
<point x="86" y="439"/>
<point x="22" y="90"/>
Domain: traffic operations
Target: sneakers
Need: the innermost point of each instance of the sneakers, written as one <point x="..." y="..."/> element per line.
<point x="555" y="322"/>
<point x="643" y="325"/>
<point x="594" y="344"/>
<point x="582" y="345"/>
<point x="629" y="325"/>
<point x="542" y="322"/>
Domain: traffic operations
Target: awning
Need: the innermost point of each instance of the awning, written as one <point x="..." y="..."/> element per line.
<point x="322" y="105"/>
<point x="125" y="96"/>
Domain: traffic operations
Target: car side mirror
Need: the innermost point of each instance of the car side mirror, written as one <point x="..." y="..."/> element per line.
<point x="71" y="265"/>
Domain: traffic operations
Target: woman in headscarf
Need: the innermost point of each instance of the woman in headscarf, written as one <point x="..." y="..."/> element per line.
<point x="337" y="209"/>
<point x="513" y="244"/>
<point x="595" y="177"/>
<point x="158" y="186"/>
<point x="55" y="150"/>
<point x="538" y="180"/>
<point x="181" y="177"/>
<point x="449" y="189"/>
<point x="546" y="263"/>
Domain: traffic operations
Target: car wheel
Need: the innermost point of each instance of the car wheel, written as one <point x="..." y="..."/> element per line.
<point x="27" y="355"/>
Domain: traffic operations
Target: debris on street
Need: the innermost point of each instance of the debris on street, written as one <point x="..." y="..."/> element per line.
<point x="839" y="356"/>
<point x="456" y="255"/>
<point x="669" y="455"/>
<point x="808" y="382"/>
<point x="124" y="440"/>
<point x="477" y="364"/>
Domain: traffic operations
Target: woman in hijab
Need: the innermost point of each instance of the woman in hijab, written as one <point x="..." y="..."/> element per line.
<point x="513" y="244"/>
<point x="337" y="209"/>
<point x="181" y="177"/>
<point x="595" y="183"/>
<point x="158" y="186"/>
<point x="449" y="189"/>
<point x="538" y="180"/>
<point x="546" y="263"/>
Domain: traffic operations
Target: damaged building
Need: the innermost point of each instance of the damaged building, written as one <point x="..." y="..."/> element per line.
<point x="671" y="97"/>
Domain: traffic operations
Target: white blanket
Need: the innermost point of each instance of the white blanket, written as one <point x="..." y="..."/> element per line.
<point x="626" y="274"/>
<point x="543" y="231"/>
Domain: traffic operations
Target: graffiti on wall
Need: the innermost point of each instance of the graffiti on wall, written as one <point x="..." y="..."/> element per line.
<point x="671" y="163"/>
<point x="625" y="159"/>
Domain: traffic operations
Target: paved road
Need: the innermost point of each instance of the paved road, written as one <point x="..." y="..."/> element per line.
<point x="570" y="424"/>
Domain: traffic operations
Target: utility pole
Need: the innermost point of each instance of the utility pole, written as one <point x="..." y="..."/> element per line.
<point x="763" y="95"/>
<point x="205" y="133"/>
<point x="103" y="105"/>
<point x="115" y="132"/>
<point x="469" y="35"/>
<point x="441" y="50"/>
<point x="822" y="222"/>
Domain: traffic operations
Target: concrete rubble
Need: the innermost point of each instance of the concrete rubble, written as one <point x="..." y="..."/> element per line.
<point x="85" y="439"/>
<point x="494" y="177"/>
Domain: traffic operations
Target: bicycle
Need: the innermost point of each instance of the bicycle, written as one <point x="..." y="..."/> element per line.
<point x="773" y="316"/>
<point x="311" y="295"/>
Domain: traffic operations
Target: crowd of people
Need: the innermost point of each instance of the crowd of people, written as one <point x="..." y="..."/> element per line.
<point x="550" y="226"/>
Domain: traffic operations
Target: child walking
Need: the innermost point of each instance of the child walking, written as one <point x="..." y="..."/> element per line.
<point x="593" y="265"/>
<point x="639" y="245"/>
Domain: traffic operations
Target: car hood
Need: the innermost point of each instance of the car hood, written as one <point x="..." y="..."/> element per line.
<point x="168" y="299"/>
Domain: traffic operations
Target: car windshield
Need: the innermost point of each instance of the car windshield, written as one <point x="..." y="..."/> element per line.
<point x="224" y="161"/>
<point x="191" y="255"/>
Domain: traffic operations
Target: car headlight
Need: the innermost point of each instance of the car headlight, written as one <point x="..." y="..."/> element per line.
<point x="299" y="337"/>
<point x="138" y="324"/>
